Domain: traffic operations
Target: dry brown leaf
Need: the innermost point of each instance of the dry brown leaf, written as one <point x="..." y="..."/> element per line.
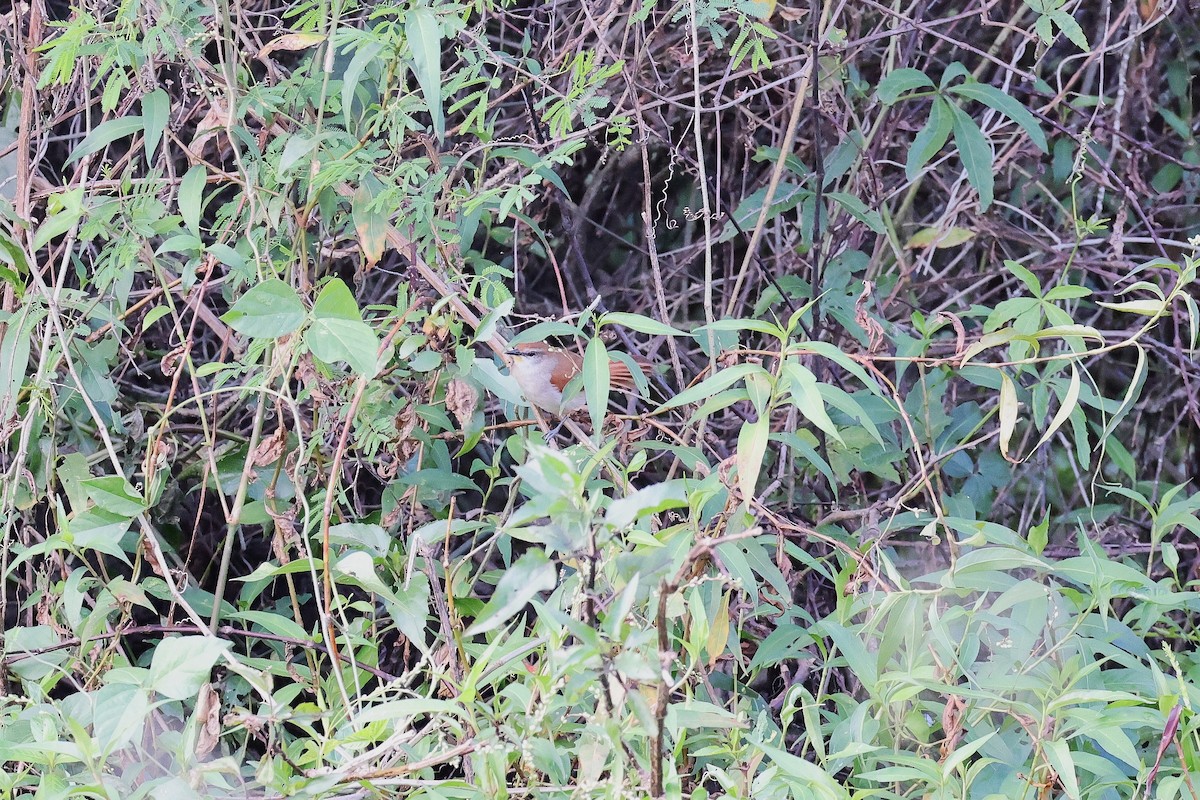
<point x="291" y="41"/>
<point x="270" y="449"/>
<point x="208" y="710"/>
<point x="461" y="400"/>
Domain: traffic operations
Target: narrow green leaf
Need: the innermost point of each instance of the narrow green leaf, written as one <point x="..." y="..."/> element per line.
<point x="752" y="446"/>
<point x="1008" y="413"/>
<point x="930" y="139"/>
<point x="996" y="99"/>
<point x="191" y="197"/>
<point x="596" y="381"/>
<point x="723" y="379"/>
<point x="105" y="134"/>
<point x="156" y="111"/>
<point x="806" y="396"/>
<point x="1067" y="404"/>
<point x="976" y="155"/>
<point x="424" y="35"/>
<point x="639" y="323"/>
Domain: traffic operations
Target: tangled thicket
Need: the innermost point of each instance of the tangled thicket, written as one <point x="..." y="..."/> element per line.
<point x="903" y="510"/>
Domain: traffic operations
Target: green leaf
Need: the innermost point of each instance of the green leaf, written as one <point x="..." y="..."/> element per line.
<point x="787" y="196"/>
<point x="295" y="148"/>
<point x="806" y="396"/>
<point x="996" y="99"/>
<point x="424" y="35"/>
<point x="625" y="511"/>
<point x="333" y="340"/>
<point x="899" y="81"/>
<point x="711" y="385"/>
<point x="14" y="360"/>
<point x="752" y="446"/>
<point x="639" y="323"/>
<point x="105" y="134"/>
<point x="859" y="210"/>
<point x="596" y="381"/>
<point x="191" y="197"/>
<point x="817" y="782"/>
<point x="114" y="494"/>
<point x="1070" y="28"/>
<point x="1145" y="308"/>
<point x="156" y="110"/>
<point x="99" y="530"/>
<point x="338" y="333"/>
<point x="181" y="665"/>
<point x="269" y="310"/>
<point x="1027" y="277"/>
<point x="532" y="573"/>
<point x="930" y="139"/>
<point x="976" y="155"/>
<point x="1008" y="412"/>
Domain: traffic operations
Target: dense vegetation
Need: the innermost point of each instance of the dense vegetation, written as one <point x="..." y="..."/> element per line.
<point x="903" y="510"/>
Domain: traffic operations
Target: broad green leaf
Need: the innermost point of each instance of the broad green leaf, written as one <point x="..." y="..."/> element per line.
<point x="899" y="81"/>
<point x="181" y="665"/>
<point x="99" y="530"/>
<point x="930" y="139"/>
<point x="787" y="196"/>
<point x="976" y="155"/>
<point x="114" y="494"/>
<point x="337" y="332"/>
<point x="1026" y="276"/>
<point x="625" y="511"/>
<point x="268" y="310"/>
<point x="938" y="238"/>
<point x="1070" y="28"/>
<point x="295" y="148"/>
<point x="859" y="210"/>
<point x="817" y="782"/>
<point x="1067" y="291"/>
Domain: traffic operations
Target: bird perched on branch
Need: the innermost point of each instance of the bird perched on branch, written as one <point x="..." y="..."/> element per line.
<point x="543" y="372"/>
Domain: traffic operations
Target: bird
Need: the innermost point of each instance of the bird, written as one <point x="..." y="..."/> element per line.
<point x="543" y="372"/>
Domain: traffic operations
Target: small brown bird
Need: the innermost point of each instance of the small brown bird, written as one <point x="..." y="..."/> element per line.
<point x="543" y="372"/>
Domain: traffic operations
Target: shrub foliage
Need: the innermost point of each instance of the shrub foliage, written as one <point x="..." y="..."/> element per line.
<point x="903" y="508"/>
